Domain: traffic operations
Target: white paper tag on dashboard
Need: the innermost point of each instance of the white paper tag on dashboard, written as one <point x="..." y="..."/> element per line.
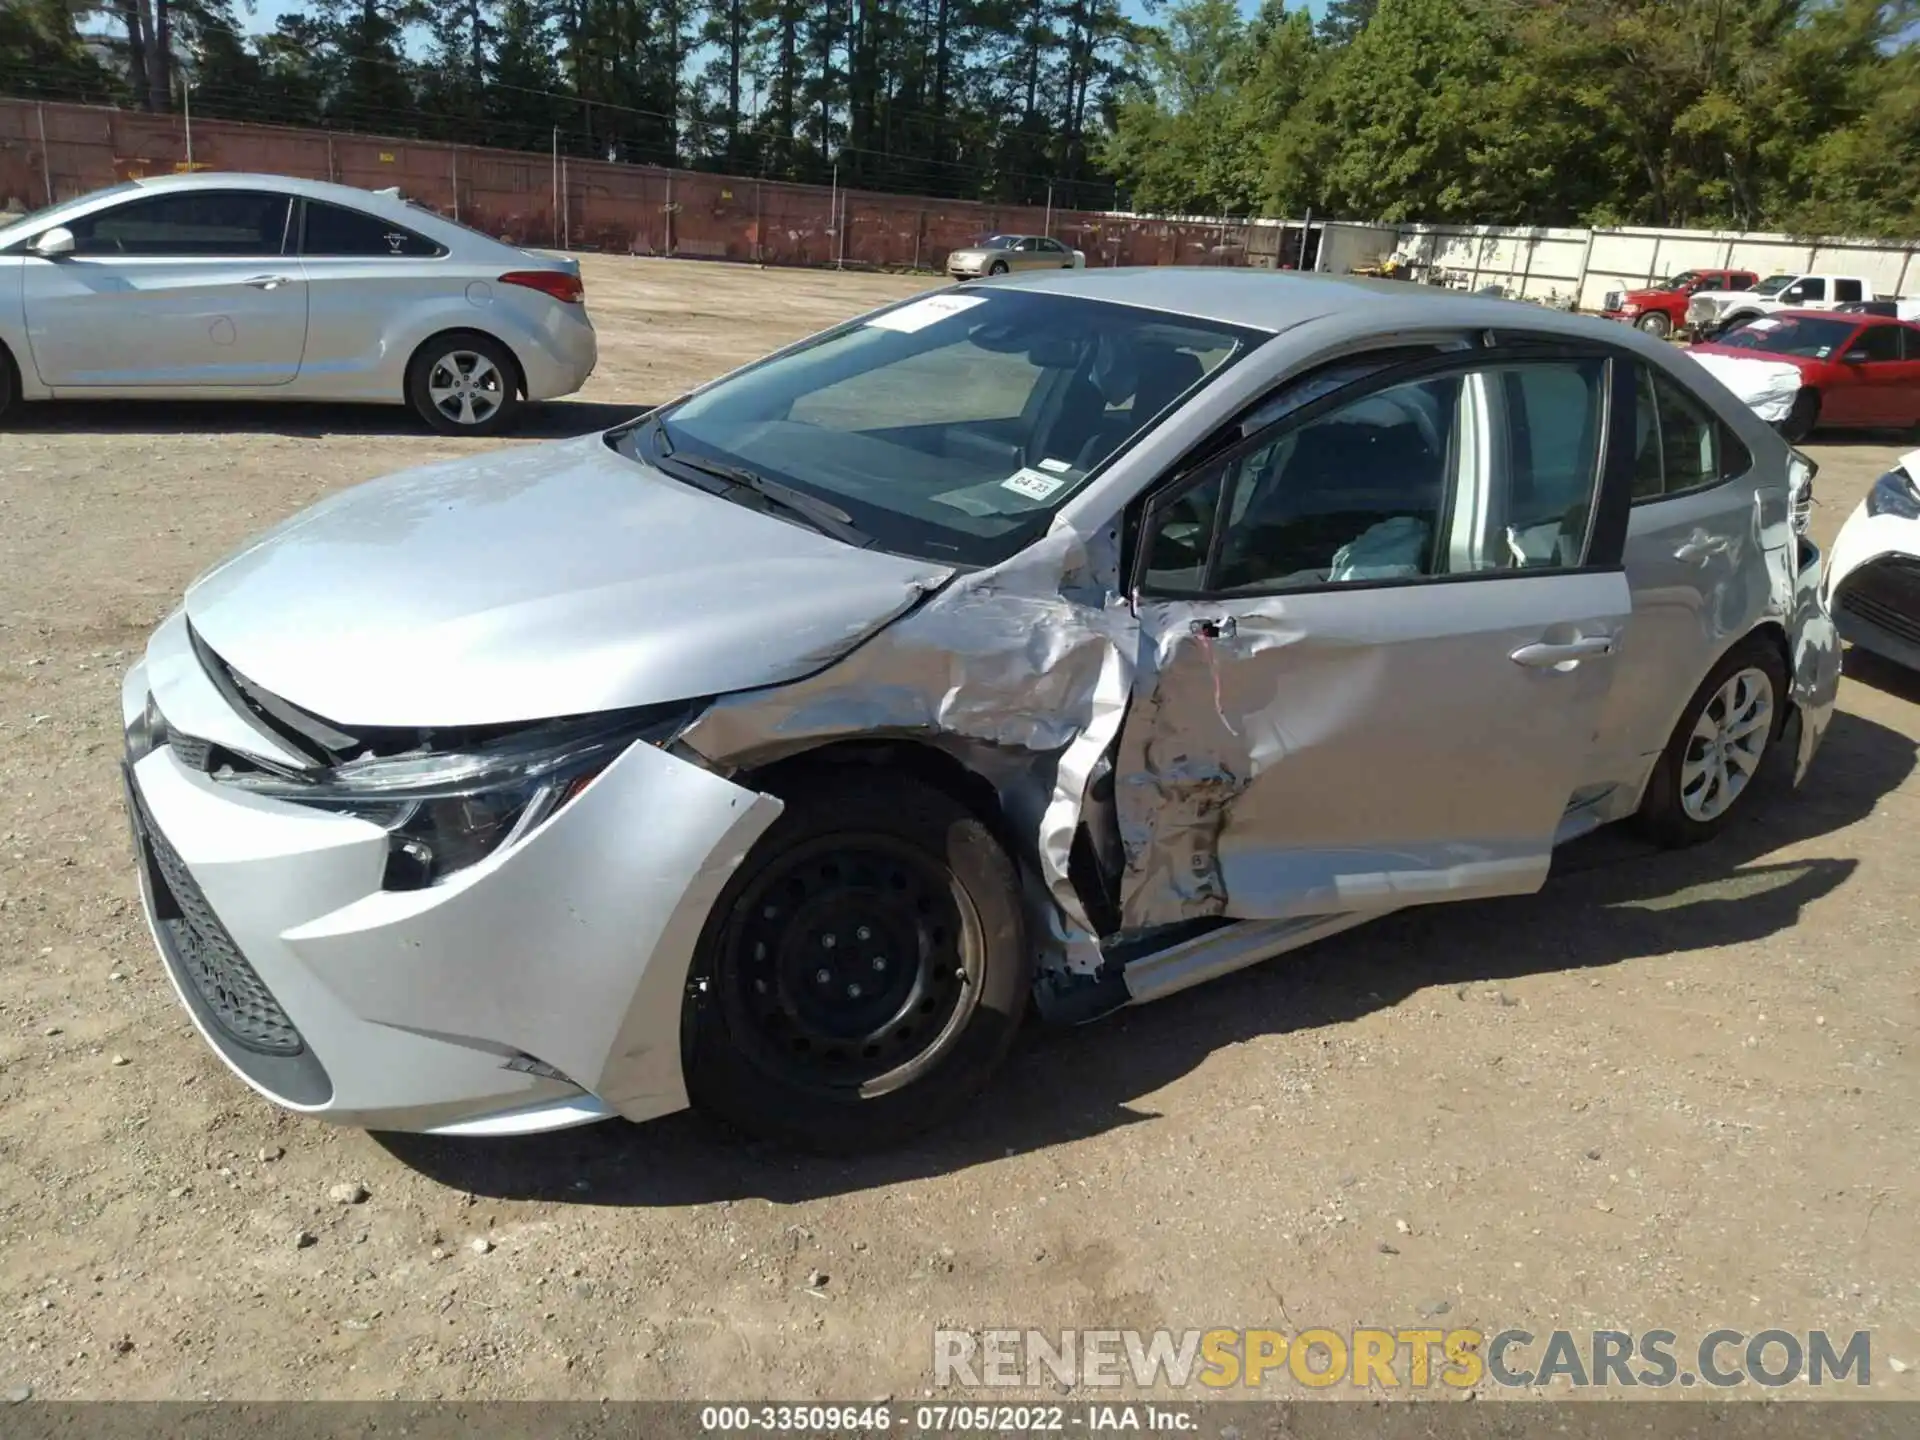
<point x="922" y="313"/>
<point x="1033" y="484"/>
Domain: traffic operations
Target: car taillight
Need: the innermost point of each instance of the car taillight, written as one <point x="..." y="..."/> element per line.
<point x="557" y="283"/>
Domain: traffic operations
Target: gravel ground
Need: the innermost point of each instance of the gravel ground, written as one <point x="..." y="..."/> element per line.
<point x="1669" y="1091"/>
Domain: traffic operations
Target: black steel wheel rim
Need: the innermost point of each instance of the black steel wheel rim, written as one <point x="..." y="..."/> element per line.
<point x="850" y="965"/>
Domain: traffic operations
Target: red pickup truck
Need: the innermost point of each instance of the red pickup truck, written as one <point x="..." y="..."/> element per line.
<point x="1663" y="309"/>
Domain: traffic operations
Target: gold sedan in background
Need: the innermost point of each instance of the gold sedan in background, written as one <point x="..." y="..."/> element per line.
<point x="998" y="254"/>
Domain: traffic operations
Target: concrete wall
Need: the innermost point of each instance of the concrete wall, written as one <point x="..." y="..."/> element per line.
<point x="1539" y="263"/>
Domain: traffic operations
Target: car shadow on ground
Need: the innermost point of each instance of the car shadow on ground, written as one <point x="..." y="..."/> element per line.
<point x="1612" y="899"/>
<point x="1882" y="674"/>
<point x="540" y="420"/>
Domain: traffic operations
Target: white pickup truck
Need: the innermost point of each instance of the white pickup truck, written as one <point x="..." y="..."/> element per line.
<point x="1711" y="311"/>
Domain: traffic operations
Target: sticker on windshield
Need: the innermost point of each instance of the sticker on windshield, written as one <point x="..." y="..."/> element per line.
<point x="1059" y="467"/>
<point x="922" y="313"/>
<point x="1033" y="484"/>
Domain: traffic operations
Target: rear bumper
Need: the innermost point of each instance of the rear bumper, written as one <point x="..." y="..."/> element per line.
<point x="560" y="354"/>
<point x="540" y="988"/>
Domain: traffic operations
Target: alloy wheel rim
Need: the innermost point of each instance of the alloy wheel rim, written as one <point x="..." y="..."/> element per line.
<point x="466" y="387"/>
<point x="850" y="965"/>
<point x="1729" y="740"/>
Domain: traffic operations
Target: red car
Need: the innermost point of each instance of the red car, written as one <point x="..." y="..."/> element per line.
<point x="1661" y="309"/>
<point x="1855" y="370"/>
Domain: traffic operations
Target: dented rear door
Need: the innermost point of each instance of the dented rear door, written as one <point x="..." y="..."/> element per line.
<point x="1324" y="724"/>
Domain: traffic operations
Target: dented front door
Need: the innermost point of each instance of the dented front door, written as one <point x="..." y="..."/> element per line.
<point x="1329" y="752"/>
<point x="1377" y="638"/>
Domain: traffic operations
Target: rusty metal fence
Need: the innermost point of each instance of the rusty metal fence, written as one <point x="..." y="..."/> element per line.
<point x="56" y="151"/>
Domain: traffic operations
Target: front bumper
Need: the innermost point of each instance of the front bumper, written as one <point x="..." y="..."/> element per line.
<point x="1873" y="585"/>
<point x="538" y="989"/>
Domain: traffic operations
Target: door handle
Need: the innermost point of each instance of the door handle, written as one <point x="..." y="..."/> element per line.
<point x="1701" y="547"/>
<point x="1552" y="655"/>
<point x="269" y="282"/>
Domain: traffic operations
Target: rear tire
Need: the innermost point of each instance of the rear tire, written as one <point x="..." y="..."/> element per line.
<point x="1801" y="419"/>
<point x="464" y="383"/>
<point x="1706" y="773"/>
<point x="862" y="974"/>
<point x="1656" y="325"/>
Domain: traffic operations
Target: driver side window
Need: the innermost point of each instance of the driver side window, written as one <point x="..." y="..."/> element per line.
<point x="1486" y="470"/>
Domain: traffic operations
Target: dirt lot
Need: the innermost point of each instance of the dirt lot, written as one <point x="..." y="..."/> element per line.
<point x="1671" y="1090"/>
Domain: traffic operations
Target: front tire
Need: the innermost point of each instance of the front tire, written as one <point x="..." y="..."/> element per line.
<point x="1801" y="419"/>
<point x="864" y="971"/>
<point x="464" y="383"/>
<point x="9" y="383"/>
<point x="1656" y="325"/>
<point x="999" y="267"/>
<point x="1706" y="773"/>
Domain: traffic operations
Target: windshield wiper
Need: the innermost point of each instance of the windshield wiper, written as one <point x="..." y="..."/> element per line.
<point x="829" y="519"/>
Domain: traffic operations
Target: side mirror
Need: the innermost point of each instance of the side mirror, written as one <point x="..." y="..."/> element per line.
<point x="1854" y="357"/>
<point x="50" y="244"/>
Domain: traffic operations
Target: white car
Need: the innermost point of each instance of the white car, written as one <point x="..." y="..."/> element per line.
<point x="1873" y="575"/>
<point x="262" y="287"/>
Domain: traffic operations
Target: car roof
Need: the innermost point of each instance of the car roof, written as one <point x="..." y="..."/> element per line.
<point x="1276" y="300"/>
<point x="288" y="184"/>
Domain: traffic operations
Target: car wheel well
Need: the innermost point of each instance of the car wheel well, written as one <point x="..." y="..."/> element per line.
<point x="439" y="336"/>
<point x="928" y="764"/>
<point x="9" y="377"/>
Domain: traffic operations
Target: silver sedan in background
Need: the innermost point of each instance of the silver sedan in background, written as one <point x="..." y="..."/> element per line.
<point x="999" y="254"/>
<point x="262" y="287"/>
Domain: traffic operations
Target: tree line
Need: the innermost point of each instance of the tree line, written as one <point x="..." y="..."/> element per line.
<point x="1801" y="115"/>
<point x="1795" y="115"/>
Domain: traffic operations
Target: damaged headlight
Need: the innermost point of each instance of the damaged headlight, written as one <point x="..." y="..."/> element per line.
<point x="1894" y="493"/>
<point x="446" y="810"/>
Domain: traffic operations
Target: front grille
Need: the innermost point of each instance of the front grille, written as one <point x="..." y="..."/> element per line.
<point x="1613" y="300"/>
<point x="204" y="955"/>
<point x="1886" y="594"/>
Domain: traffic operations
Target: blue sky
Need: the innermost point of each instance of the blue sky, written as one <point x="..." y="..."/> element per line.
<point x="266" y="12"/>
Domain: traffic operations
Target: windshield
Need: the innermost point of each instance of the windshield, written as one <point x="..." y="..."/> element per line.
<point x="1685" y="280"/>
<point x="35" y="221"/>
<point x="1809" y="338"/>
<point x="1774" y="284"/>
<point x="953" y="426"/>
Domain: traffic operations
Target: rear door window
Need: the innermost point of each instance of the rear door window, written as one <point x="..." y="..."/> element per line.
<point x="1681" y="446"/>
<point x="1845" y="290"/>
<point x="339" y="231"/>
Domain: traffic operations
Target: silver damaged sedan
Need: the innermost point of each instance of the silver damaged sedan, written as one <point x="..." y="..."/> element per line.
<point x="1068" y="641"/>
<point x="262" y="287"/>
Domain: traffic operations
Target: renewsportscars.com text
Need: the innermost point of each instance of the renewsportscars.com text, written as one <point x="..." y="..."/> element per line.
<point x="1372" y="1357"/>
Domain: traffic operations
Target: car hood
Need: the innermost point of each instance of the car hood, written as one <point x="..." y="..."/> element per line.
<point x="537" y="582"/>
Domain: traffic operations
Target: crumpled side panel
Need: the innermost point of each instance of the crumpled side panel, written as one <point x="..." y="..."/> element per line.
<point x="1815" y="686"/>
<point x="1178" y="771"/>
<point x="1022" y="671"/>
